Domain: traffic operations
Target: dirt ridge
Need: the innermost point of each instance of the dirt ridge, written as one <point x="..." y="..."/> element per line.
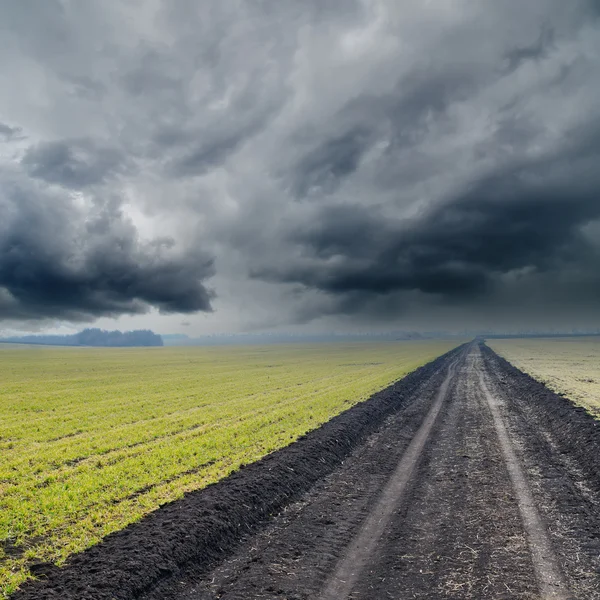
<point x="207" y="525"/>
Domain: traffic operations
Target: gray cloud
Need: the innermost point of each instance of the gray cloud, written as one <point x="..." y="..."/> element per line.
<point x="528" y="217"/>
<point x="535" y="51"/>
<point x="343" y="162"/>
<point x="73" y="163"/>
<point x="321" y="169"/>
<point x="61" y="261"/>
<point x="84" y="87"/>
<point x="8" y="133"/>
<point x="200" y="157"/>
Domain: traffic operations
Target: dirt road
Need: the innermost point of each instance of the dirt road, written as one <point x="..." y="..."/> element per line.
<point x="442" y="508"/>
<point x="473" y="487"/>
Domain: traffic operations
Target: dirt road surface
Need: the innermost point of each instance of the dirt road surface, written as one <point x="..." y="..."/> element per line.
<point x="478" y="483"/>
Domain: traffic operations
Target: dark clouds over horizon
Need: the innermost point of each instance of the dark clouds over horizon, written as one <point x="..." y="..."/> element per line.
<point x="272" y="163"/>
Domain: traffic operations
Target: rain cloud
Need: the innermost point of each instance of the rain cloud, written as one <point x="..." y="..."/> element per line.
<point x="274" y="163"/>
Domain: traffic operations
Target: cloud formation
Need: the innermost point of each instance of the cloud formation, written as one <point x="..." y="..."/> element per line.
<point x="8" y="133"/>
<point x="73" y="164"/>
<point x="530" y="217"/>
<point x="61" y="260"/>
<point x="335" y="162"/>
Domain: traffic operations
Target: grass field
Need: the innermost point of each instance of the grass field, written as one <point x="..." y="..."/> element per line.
<point x="567" y="365"/>
<point x="93" y="439"/>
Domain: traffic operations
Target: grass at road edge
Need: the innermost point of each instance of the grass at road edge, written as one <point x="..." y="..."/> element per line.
<point x="568" y="366"/>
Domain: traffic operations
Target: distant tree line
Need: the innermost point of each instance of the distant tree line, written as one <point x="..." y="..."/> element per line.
<point x="94" y="337"/>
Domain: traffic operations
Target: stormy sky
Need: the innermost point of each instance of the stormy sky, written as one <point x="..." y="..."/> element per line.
<point x="216" y="166"/>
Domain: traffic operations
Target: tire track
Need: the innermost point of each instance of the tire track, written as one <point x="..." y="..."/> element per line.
<point x="458" y="534"/>
<point x="358" y="554"/>
<point x="549" y="575"/>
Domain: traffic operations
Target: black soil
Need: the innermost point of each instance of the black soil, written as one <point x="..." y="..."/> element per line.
<point x="280" y="528"/>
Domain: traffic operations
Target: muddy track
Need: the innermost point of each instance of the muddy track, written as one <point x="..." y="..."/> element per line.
<point x="467" y="479"/>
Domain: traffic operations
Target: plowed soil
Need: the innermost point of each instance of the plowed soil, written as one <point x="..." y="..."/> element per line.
<point x="467" y="479"/>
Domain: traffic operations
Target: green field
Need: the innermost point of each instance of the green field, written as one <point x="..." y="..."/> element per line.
<point x="93" y="439"/>
<point x="570" y="366"/>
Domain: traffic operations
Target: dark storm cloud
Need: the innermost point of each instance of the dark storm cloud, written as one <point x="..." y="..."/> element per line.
<point x="530" y="217"/>
<point x="73" y="163"/>
<point x="58" y="261"/>
<point x="335" y="158"/>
